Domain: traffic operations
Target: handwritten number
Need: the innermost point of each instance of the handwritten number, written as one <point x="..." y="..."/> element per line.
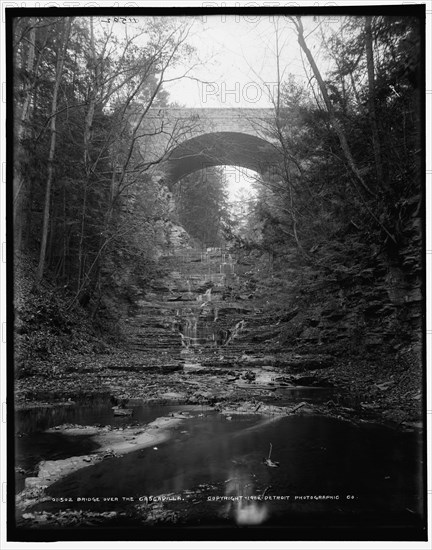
<point x="123" y="20"/>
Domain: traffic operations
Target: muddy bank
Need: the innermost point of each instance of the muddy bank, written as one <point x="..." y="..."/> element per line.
<point x="112" y="442"/>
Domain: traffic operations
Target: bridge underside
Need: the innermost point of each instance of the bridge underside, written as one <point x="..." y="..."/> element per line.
<point x="220" y="148"/>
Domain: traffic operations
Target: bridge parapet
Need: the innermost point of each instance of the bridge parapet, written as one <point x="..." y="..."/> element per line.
<point x="244" y="120"/>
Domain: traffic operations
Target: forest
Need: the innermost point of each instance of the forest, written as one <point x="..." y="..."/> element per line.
<point x="130" y="288"/>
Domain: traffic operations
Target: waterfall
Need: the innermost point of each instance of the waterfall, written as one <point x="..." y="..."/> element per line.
<point x="189" y="290"/>
<point x="199" y="322"/>
<point x="235" y="331"/>
<point x="185" y="343"/>
<point x="189" y="331"/>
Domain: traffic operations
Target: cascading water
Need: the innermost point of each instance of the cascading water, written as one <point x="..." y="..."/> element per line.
<point x="207" y="295"/>
<point x="236" y="331"/>
<point x="188" y="331"/>
<point x="200" y="322"/>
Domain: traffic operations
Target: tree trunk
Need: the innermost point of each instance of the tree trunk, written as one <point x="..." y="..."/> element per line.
<point x="18" y="180"/>
<point x="335" y="123"/>
<point x="88" y="123"/>
<point x="371" y="100"/>
<point x="332" y="115"/>
<point x="61" y="52"/>
<point x="92" y="102"/>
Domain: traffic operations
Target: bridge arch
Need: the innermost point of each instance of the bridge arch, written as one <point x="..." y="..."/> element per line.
<point x="220" y="148"/>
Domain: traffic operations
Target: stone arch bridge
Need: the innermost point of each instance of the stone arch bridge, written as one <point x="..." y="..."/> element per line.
<point x="193" y="139"/>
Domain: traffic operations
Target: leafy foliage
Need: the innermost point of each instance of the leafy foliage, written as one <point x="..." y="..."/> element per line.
<point x="347" y="240"/>
<point x="313" y="200"/>
<point x="98" y="214"/>
<point x="201" y="200"/>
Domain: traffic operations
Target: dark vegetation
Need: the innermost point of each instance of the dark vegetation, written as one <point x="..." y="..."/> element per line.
<point x="335" y="231"/>
<point x="342" y="214"/>
<point x="201" y="200"/>
<point x="78" y="167"/>
<point x="87" y="215"/>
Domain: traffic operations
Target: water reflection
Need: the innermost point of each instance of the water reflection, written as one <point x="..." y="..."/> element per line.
<point x="89" y="414"/>
<point x="32" y="444"/>
<point x="317" y="456"/>
<point x="241" y="487"/>
<point x="250" y="513"/>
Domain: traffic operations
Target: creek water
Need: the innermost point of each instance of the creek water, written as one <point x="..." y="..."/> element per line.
<point x="33" y="444"/>
<point x="367" y="471"/>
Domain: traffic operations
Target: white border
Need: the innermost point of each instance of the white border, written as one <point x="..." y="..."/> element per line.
<point x="226" y="545"/>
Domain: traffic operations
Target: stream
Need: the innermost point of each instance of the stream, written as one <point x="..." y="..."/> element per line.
<point x="213" y="468"/>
